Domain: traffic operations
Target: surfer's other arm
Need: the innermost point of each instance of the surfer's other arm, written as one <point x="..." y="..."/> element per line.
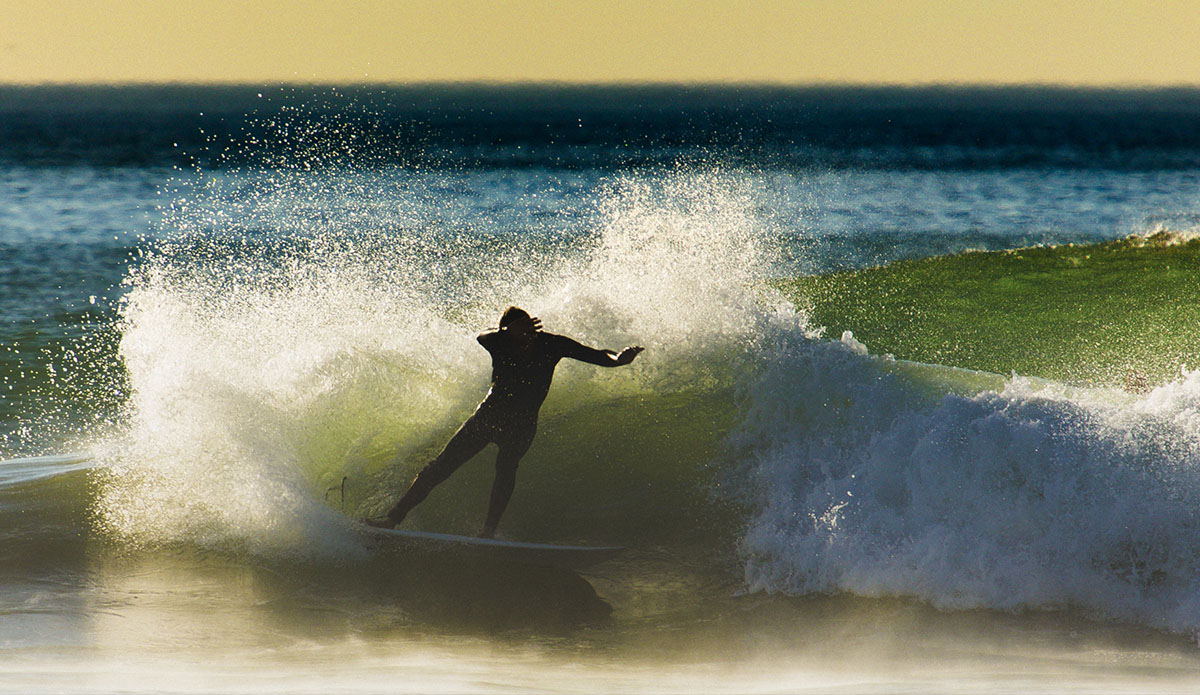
<point x="603" y="358"/>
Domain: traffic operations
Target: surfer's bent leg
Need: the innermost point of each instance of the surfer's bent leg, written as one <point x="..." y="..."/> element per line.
<point x="512" y="448"/>
<point x="469" y="440"/>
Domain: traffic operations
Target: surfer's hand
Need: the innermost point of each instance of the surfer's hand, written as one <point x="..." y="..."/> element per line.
<point x="628" y="354"/>
<point x="536" y="323"/>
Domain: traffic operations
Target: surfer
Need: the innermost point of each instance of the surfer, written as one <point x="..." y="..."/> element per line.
<point x="523" y="362"/>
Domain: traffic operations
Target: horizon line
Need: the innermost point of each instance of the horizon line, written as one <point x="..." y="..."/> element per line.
<point x="704" y="84"/>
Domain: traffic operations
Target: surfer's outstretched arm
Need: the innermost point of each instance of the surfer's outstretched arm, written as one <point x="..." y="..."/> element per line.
<point x="602" y="358"/>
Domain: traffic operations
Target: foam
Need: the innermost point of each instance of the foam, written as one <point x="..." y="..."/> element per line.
<point x="1039" y="496"/>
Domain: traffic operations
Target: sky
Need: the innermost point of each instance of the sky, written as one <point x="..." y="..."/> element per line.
<point x="1075" y="42"/>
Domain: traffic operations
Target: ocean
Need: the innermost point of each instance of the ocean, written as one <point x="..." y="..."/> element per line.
<point x="918" y="409"/>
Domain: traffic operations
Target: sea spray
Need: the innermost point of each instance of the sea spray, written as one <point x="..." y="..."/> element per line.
<point x="265" y="373"/>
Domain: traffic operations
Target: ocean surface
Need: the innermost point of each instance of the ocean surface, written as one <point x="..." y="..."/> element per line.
<point x="857" y="454"/>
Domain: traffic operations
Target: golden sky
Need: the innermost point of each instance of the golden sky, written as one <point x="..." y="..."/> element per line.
<point x="1078" y="42"/>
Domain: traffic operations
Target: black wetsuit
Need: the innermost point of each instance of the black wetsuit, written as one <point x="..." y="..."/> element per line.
<point x="507" y="416"/>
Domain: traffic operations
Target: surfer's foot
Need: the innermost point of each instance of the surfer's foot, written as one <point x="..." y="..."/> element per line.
<point x="380" y="522"/>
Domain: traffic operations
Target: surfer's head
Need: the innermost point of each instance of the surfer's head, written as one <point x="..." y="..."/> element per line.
<point x="512" y="314"/>
<point x="518" y="321"/>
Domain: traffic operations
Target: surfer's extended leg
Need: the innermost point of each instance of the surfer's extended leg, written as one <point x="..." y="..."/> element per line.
<point x="511" y="451"/>
<point x="468" y="441"/>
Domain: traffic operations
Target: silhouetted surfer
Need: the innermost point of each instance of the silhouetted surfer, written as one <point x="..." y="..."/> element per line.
<point x="523" y="362"/>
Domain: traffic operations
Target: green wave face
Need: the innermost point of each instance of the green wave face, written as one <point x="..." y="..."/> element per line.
<point x="1124" y="313"/>
<point x="636" y="468"/>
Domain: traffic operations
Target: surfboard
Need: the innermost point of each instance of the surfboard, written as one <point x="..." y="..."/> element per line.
<point x="573" y="557"/>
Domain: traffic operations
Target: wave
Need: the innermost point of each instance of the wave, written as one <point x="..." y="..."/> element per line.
<point x="279" y="387"/>
<point x="1027" y="494"/>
